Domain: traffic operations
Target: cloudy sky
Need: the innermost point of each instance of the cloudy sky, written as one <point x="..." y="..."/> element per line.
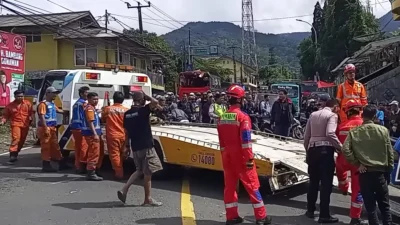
<point x="271" y="16"/>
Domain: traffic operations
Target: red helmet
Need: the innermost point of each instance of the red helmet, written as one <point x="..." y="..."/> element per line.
<point x="235" y="91"/>
<point x="349" y="68"/>
<point x="351" y="104"/>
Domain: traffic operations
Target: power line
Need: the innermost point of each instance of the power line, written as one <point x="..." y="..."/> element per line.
<point x="32" y="6"/>
<point x="59" y="5"/>
<point x="57" y="31"/>
<point x="135" y="19"/>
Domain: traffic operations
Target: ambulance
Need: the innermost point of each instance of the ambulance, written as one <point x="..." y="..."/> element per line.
<point x="104" y="79"/>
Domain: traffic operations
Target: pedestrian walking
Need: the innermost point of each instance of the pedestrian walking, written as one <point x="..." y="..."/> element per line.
<point x="282" y="114"/>
<point x="369" y="148"/>
<point x="321" y="142"/>
<point x="20" y="114"/>
<point x="140" y="140"/>
<point x="234" y="132"/>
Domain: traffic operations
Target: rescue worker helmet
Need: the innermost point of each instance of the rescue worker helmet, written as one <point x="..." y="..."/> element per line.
<point x="352" y="104"/>
<point x="236" y="91"/>
<point x="349" y="68"/>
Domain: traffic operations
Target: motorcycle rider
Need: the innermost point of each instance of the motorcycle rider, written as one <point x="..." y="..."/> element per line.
<point x="234" y="132"/>
<point x="352" y="109"/>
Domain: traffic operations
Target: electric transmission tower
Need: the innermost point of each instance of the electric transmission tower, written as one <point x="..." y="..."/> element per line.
<point x="249" y="55"/>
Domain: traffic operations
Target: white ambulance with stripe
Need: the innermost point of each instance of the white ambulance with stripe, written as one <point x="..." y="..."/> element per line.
<point x="103" y="82"/>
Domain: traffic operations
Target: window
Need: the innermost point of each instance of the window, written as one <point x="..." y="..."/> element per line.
<point x="35" y="36"/>
<point x="143" y="64"/>
<point x="125" y="59"/>
<point x="132" y="61"/>
<point x="84" y="55"/>
<point x="227" y="62"/>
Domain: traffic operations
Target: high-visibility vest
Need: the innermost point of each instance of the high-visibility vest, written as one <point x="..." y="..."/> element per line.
<point x="51" y="114"/>
<point x="78" y="114"/>
<point x="219" y="110"/>
<point x="86" y="131"/>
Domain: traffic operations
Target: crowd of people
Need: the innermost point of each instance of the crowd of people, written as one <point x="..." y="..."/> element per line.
<point x="209" y="107"/>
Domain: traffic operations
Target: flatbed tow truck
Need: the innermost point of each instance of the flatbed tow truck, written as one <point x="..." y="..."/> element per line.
<point x="279" y="160"/>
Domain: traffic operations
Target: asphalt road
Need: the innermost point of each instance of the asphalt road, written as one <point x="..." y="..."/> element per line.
<point x="190" y="197"/>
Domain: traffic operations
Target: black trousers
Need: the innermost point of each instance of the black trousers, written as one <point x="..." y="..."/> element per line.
<point x="374" y="189"/>
<point x="282" y="130"/>
<point x="321" y="169"/>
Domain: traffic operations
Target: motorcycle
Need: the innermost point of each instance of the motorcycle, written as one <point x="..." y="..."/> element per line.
<point x="296" y="130"/>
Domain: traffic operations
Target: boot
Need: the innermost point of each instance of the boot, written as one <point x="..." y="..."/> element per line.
<point x="329" y="219"/>
<point x="98" y="173"/>
<point x="13" y="158"/>
<point x="47" y="168"/>
<point x="82" y="169"/>
<point x="237" y="220"/>
<point x="91" y="175"/>
<point x="310" y="215"/>
<point x="266" y="221"/>
<point x="63" y="165"/>
<point x="358" y="221"/>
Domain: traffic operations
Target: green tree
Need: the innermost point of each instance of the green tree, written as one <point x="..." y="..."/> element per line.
<point x="317" y="22"/>
<point x="307" y="55"/>
<point x="158" y="44"/>
<point x="343" y="21"/>
<point x="275" y="69"/>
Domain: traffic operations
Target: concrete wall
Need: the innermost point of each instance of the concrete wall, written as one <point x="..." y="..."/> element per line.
<point x="385" y="88"/>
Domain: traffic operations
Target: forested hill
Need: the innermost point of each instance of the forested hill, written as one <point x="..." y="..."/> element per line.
<point x="226" y="34"/>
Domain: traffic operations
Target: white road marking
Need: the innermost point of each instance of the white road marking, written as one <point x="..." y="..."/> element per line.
<point x="22" y="149"/>
<point x="63" y="181"/>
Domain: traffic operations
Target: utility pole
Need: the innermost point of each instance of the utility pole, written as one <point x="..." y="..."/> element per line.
<point x="107" y="20"/>
<point x="139" y="8"/>
<point x="189" y="50"/>
<point x="234" y="63"/>
<point x="106" y="45"/>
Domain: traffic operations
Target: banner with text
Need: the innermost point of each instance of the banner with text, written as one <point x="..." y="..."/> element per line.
<point x="12" y="65"/>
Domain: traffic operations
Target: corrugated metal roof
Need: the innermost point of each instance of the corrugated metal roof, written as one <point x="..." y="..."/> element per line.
<point x="42" y="19"/>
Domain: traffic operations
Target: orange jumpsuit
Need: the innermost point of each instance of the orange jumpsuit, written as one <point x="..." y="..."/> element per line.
<point x="113" y="116"/>
<point x="20" y="116"/>
<point x="94" y="153"/>
<point x="76" y="126"/>
<point x="347" y="91"/>
<point x="50" y="149"/>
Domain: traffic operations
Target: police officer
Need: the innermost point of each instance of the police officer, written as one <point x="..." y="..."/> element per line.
<point x="234" y="132"/>
<point x="320" y="142"/>
<point x="78" y="116"/>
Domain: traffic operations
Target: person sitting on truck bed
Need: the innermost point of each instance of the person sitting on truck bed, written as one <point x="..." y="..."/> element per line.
<point x="177" y="114"/>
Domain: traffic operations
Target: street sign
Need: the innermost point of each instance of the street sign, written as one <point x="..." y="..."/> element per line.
<point x="204" y="50"/>
<point x="214" y="50"/>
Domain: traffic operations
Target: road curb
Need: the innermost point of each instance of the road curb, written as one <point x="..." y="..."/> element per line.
<point x="22" y="149"/>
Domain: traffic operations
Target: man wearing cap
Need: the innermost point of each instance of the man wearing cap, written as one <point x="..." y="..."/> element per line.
<point x="394" y="119"/>
<point x="47" y="132"/>
<point x="350" y="89"/>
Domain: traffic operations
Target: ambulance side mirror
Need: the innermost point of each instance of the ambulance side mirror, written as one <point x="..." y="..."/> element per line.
<point x="21" y="87"/>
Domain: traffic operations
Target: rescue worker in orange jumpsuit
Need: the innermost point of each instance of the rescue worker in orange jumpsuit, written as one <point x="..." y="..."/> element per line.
<point x="350" y="89"/>
<point x="234" y="132"/>
<point x="113" y="116"/>
<point x="91" y="132"/>
<point x="19" y="113"/>
<point x="47" y="132"/>
<point x="78" y="116"/>
<point x="352" y="110"/>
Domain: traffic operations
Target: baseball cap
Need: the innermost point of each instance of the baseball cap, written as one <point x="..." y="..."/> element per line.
<point x="52" y="90"/>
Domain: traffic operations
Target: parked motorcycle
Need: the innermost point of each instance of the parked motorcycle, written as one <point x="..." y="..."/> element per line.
<point x="296" y="130"/>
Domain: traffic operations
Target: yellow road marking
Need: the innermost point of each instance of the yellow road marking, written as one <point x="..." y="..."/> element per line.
<point x="187" y="209"/>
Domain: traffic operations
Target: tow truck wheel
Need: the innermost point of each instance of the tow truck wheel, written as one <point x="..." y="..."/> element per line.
<point x="168" y="170"/>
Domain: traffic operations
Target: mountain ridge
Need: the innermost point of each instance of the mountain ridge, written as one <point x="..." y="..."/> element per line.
<point x="226" y="34"/>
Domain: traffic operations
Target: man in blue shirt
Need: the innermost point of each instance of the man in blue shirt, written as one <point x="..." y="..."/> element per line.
<point x="380" y="115"/>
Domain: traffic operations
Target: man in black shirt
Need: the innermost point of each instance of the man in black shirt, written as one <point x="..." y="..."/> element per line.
<point x="140" y="139"/>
